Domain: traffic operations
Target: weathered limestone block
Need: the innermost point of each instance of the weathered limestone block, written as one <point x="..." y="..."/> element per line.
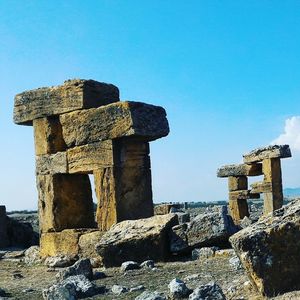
<point x="240" y="170"/>
<point x="51" y="163"/>
<point x="243" y="194"/>
<point x="3" y="227"/>
<point x="48" y="137"/>
<point x="165" y="208"/>
<point x="261" y="187"/>
<point x="237" y="183"/>
<point x="137" y="240"/>
<point x="275" y="151"/>
<point x="124" y="191"/>
<point x="121" y="119"/>
<point x="270" y="250"/>
<point x="87" y="243"/>
<point x="211" y="229"/>
<point x="72" y="95"/>
<point x="272" y="174"/>
<point x="65" y="202"/>
<point x="238" y="209"/>
<point x="85" y="159"/>
<point x="65" y="242"/>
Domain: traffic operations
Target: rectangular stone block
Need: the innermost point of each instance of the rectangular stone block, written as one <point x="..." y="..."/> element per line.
<point x="48" y="137"/>
<point x="124" y="191"/>
<point x="72" y="95"/>
<point x="65" y="202"/>
<point x="65" y="242"/>
<point x="52" y="164"/>
<point x="237" y="183"/>
<point x="122" y="119"/>
<point x="163" y="209"/>
<point x="238" y="209"/>
<point x="85" y="159"/>
<point x="240" y="170"/>
<point x="261" y="187"/>
<point x="275" y="151"/>
<point x="272" y="174"/>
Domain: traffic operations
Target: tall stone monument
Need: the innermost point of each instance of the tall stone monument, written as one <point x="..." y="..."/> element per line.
<point x="82" y="128"/>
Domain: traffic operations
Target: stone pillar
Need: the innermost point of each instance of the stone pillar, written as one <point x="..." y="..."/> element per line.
<point x="124" y="190"/>
<point x="3" y="227"/>
<point x="272" y="175"/>
<point x="238" y="206"/>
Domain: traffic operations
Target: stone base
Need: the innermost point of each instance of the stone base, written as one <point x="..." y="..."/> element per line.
<point x="79" y="242"/>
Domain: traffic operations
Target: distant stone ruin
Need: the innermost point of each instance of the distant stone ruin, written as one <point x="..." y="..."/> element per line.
<point x="81" y="128"/>
<point x="262" y="161"/>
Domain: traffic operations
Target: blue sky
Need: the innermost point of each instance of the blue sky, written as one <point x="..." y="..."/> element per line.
<point x="227" y="72"/>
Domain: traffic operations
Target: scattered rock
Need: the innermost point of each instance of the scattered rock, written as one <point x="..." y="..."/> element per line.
<point x="137" y="240"/>
<point x="225" y="252"/>
<point x="119" y="289"/>
<point x="178" y="239"/>
<point x="60" y="292"/>
<point x="32" y="255"/>
<point x="211" y="229"/>
<point x="129" y="265"/>
<point x="151" y="296"/>
<point x="210" y="291"/>
<point x="246" y="222"/>
<point x="203" y="253"/>
<point x="192" y="277"/>
<point x="137" y="288"/>
<point x="269" y="250"/>
<point x="81" y="267"/>
<point x="147" y="264"/>
<point x="183" y="217"/>
<point x="99" y="275"/>
<point x="71" y="288"/>
<point x="17" y="275"/>
<point x="178" y="289"/>
<point x="60" y="261"/>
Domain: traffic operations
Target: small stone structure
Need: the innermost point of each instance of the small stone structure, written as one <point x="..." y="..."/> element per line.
<point x="262" y="161"/>
<point x="82" y="128"/>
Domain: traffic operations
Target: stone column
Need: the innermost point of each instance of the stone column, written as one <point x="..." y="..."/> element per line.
<point x="238" y="206"/>
<point x="124" y="190"/>
<point x="272" y="175"/>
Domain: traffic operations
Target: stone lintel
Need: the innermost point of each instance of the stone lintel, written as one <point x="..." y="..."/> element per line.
<point x="71" y="95"/>
<point x="275" y="151"/>
<point x="261" y="187"/>
<point x="243" y="195"/>
<point x="121" y="119"/>
<point x="240" y="170"/>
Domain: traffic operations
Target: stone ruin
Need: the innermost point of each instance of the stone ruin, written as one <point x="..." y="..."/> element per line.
<point x="3" y="227"/>
<point x="82" y="128"/>
<point x="262" y="161"/>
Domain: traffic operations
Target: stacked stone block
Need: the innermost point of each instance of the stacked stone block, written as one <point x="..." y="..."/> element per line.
<point x="262" y="161"/>
<point x="3" y="227"/>
<point x="82" y="128"/>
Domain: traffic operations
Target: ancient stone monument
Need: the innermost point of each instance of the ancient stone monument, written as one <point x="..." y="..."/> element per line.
<point x="262" y="161"/>
<point x="82" y="128"/>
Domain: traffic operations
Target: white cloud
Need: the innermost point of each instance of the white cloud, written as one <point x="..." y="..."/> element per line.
<point x="291" y="135"/>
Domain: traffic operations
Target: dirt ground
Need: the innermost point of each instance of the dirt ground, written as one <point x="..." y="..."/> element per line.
<point x="27" y="282"/>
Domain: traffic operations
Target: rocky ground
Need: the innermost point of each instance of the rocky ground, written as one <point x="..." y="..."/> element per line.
<point x="22" y="280"/>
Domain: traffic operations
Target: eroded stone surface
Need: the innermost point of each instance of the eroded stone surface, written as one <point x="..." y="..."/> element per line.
<point x="137" y="240"/>
<point x="269" y="250"/>
<point x="116" y="120"/>
<point x="240" y="170"/>
<point x="275" y="151"/>
<point x="72" y="95"/>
